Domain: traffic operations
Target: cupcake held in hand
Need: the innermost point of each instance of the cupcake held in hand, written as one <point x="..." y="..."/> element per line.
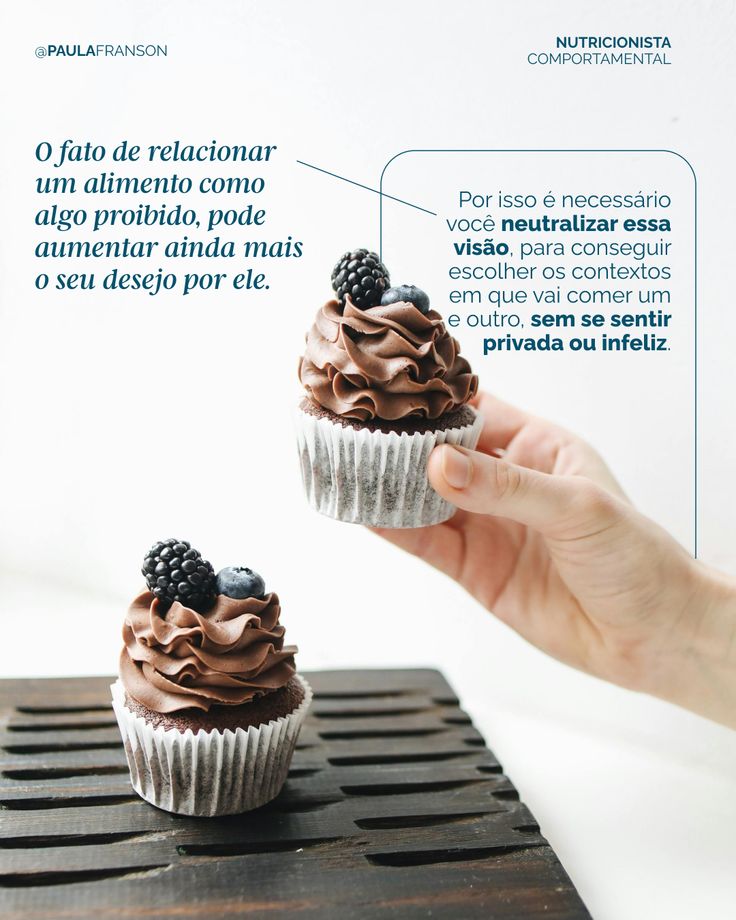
<point x="208" y="701"/>
<point x="385" y="383"/>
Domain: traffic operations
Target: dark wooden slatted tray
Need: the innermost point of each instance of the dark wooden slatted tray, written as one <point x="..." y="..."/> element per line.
<point x="394" y="808"/>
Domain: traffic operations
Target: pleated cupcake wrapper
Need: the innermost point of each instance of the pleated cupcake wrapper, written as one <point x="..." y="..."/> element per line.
<point x="208" y="773"/>
<point x="374" y="477"/>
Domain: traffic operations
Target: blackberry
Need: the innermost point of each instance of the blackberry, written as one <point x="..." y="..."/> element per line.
<point x="174" y="571"/>
<point x="361" y="274"/>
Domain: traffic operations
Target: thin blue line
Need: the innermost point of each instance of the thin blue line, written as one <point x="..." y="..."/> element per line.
<point x="367" y="188"/>
<point x="695" y="337"/>
<point x="590" y="150"/>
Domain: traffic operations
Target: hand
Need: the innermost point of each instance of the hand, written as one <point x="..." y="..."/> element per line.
<point x="547" y="540"/>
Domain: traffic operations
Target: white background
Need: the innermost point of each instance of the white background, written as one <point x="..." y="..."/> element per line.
<point x="637" y="797"/>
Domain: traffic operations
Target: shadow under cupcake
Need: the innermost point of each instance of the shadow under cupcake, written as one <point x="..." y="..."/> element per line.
<point x="385" y="384"/>
<point x="208" y="700"/>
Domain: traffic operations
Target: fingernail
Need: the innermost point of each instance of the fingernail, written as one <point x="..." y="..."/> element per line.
<point x="456" y="467"/>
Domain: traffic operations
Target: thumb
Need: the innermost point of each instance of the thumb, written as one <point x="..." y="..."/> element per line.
<point x="556" y="506"/>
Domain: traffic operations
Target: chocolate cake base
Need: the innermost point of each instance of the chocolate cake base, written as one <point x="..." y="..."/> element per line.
<point x="412" y="424"/>
<point x="269" y="707"/>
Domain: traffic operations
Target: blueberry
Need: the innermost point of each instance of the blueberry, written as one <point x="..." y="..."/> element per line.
<point x="239" y="582"/>
<point x="409" y="293"/>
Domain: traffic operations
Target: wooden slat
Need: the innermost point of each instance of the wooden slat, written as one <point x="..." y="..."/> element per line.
<point x="393" y="807"/>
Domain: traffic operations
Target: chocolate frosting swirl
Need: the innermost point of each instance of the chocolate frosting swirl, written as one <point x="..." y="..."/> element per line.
<point x="386" y="362"/>
<point x="181" y="659"/>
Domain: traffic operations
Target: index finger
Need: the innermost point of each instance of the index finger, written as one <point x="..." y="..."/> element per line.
<point x="501" y="422"/>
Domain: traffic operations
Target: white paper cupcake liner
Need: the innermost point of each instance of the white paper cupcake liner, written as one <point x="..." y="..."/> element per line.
<point x="208" y="773"/>
<point x="374" y="477"/>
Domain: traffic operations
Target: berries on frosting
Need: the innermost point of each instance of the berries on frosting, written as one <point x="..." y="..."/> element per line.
<point x="240" y="582"/>
<point x="363" y="276"/>
<point x="175" y="571"/>
<point x="409" y="293"/>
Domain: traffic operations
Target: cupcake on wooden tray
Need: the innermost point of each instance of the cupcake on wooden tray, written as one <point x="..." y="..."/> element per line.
<point x="385" y="383"/>
<point x="208" y="701"/>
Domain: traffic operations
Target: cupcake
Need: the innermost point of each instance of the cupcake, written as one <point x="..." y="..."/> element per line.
<point x="385" y="383"/>
<point x="208" y="700"/>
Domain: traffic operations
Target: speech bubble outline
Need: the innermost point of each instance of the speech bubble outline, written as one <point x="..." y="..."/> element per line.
<point x="570" y="150"/>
